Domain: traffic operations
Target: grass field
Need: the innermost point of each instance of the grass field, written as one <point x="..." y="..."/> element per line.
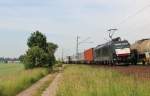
<point x="83" y="80"/>
<point x="14" y="78"/>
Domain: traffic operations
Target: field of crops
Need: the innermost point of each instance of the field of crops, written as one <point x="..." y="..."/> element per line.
<point x="84" y="80"/>
<point x="14" y="78"/>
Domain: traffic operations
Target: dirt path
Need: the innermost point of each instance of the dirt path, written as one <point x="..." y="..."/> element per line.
<point x="53" y="87"/>
<point x="33" y="89"/>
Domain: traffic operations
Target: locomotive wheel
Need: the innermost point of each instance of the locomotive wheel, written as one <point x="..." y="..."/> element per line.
<point x="143" y="62"/>
<point x="114" y="63"/>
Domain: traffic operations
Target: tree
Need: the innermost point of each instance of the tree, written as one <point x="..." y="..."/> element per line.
<point x="35" y="57"/>
<point x="40" y="53"/>
<point x="51" y="49"/>
<point x="37" y="39"/>
<point x="21" y="58"/>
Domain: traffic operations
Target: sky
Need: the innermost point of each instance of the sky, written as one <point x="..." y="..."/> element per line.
<point x="63" y="20"/>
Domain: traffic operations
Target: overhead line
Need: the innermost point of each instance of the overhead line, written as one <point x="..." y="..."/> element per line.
<point x="131" y="16"/>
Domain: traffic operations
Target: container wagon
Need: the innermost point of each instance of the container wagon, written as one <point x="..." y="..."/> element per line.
<point x="89" y="56"/>
<point x="80" y="58"/>
<point x="141" y="51"/>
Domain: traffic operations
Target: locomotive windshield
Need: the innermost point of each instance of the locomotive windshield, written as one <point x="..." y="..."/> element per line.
<point x="121" y="45"/>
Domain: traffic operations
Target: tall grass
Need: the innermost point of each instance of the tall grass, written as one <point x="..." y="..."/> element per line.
<point x="82" y="80"/>
<point x="15" y="79"/>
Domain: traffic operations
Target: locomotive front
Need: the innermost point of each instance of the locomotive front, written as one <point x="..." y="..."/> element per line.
<point x="122" y="52"/>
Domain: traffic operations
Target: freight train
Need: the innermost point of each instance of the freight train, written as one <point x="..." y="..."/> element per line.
<point x="141" y="51"/>
<point x="115" y="52"/>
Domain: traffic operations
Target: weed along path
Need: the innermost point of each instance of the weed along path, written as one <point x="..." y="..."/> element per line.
<point x="35" y="88"/>
<point x="53" y="87"/>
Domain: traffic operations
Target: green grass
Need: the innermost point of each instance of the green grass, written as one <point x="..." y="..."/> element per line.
<point x="6" y="69"/>
<point x="82" y="80"/>
<point x="14" y="78"/>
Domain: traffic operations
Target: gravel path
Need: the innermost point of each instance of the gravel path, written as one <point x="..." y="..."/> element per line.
<point x="33" y="89"/>
<point x="53" y="87"/>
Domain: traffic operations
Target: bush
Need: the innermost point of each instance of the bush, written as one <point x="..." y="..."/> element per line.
<point x="35" y="57"/>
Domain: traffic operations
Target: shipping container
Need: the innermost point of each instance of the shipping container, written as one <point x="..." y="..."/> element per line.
<point x="81" y="57"/>
<point x="89" y="55"/>
<point x="73" y="58"/>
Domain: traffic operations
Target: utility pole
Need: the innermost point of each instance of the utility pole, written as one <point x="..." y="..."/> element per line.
<point x="79" y="43"/>
<point x="62" y="58"/>
<point x="77" y="49"/>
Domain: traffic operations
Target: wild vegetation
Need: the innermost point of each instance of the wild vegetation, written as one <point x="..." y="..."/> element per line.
<point x="14" y="78"/>
<point x="40" y="52"/>
<point x="37" y="61"/>
<point x="84" y="80"/>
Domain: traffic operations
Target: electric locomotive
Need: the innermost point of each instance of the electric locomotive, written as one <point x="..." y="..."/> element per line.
<point x="115" y="52"/>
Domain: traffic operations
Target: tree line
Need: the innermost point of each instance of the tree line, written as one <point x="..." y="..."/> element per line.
<point x="40" y="53"/>
<point x="6" y="59"/>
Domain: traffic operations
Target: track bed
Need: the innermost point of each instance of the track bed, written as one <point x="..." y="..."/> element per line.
<point x="137" y="71"/>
